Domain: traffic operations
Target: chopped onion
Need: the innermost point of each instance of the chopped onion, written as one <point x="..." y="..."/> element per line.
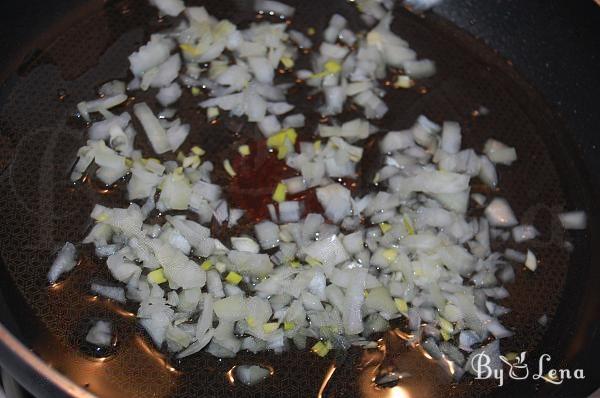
<point x="300" y="39"/>
<point x="531" y="261"/>
<point x="100" y="130"/>
<point x="275" y="7"/>
<point x="268" y="234"/>
<point x="396" y="140"/>
<point x="168" y="95"/>
<point x="487" y="172"/>
<point x="498" y="152"/>
<point x="251" y="374"/>
<point x="65" y="261"/>
<point x="112" y="88"/>
<point x="522" y="233"/>
<point x="100" y="334"/>
<point x="102" y="104"/>
<point x="164" y="74"/>
<point x="155" y="132"/>
<point x="289" y="211"/>
<point x="245" y="244"/>
<point x="515" y="255"/>
<point x="249" y="263"/>
<point x="269" y="125"/>
<point x="262" y="69"/>
<point x="419" y="69"/>
<point x="410" y="247"/>
<point x="294" y="121"/>
<point x="169" y="7"/>
<point x="112" y="292"/>
<point x="451" y="137"/>
<point x="499" y="213"/>
<point x="329" y="251"/>
<point x="335" y="199"/>
<point x="154" y="53"/>
<point x="573" y="220"/>
<point x="422" y="5"/>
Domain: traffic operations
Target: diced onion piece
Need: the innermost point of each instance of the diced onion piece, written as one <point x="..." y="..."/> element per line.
<point x="451" y="137"/>
<point x="267" y="233"/>
<point x="573" y="220"/>
<point x="116" y="293"/>
<point x="244" y="150"/>
<point x="500" y="214"/>
<point x="487" y="172"/>
<point x="404" y="81"/>
<point x="531" y="261"/>
<point x="498" y="152"/>
<point x="251" y="374"/>
<point x="176" y="135"/>
<point x="157" y="276"/>
<point x="401" y="305"/>
<point x="176" y="192"/>
<point x="100" y="334"/>
<point x="169" y="7"/>
<point x="229" y="168"/>
<point x="65" y="261"/>
<point x="234" y="278"/>
<point x="295" y="185"/>
<point x="251" y="264"/>
<point x="419" y="69"/>
<point x="169" y="95"/>
<point x="154" y="53"/>
<point x="276" y="7"/>
<point x="231" y="308"/>
<point x="522" y="233"/>
<point x="396" y="140"/>
<point x="100" y="105"/>
<point x="329" y="251"/>
<point x="111" y="88"/>
<point x="321" y="348"/>
<point x="212" y="112"/>
<point x="262" y="69"/>
<point x="289" y="211"/>
<point x="380" y="300"/>
<point x="514" y="255"/>
<point x="422" y="5"/>
<point x="234" y="216"/>
<point x="155" y="132"/>
<point x="279" y="139"/>
<point x="245" y="244"/>
<point x="336" y="200"/>
<point x="280" y="193"/>
<point x="294" y="121"/>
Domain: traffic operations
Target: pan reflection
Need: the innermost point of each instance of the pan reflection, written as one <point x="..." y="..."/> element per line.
<point x="398" y="392"/>
<point x="154" y="354"/>
<point x="326" y="379"/>
<point x="116" y="372"/>
<point x="101" y="376"/>
<point x="398" y="368"/>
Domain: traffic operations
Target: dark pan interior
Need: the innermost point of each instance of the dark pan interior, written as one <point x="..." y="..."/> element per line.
<point x="41" y="209"/>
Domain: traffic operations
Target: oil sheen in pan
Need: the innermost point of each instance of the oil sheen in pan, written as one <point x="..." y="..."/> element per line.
<point x="41" y="210"/>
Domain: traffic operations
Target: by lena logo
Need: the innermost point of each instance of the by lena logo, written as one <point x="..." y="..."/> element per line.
<point x="486" y="368"/>
<point x="518" y="369"/>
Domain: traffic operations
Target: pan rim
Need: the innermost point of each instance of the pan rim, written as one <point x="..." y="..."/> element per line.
<point x="12" y="350"/>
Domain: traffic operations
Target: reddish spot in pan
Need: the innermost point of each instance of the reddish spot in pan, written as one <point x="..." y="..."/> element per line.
<point x="257" y="177"/>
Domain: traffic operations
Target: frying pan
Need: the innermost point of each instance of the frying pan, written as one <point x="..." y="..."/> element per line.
<point x="532" y="64"/>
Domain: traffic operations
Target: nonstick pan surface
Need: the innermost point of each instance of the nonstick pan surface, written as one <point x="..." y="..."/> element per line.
<point x="41" y="209"/>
